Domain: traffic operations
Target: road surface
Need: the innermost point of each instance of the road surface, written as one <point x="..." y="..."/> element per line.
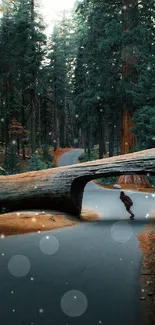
<point x="87" y="274"/>
<point x="106" y="202"/>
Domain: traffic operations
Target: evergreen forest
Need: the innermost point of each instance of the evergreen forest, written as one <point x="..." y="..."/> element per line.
<point x="90" y="84"/>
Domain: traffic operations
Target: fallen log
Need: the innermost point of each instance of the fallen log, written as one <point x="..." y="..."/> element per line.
<point x="62" y="188"/>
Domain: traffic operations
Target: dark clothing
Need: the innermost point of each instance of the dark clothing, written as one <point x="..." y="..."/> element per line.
<point x="127" y="201"/>
<point x="127" y="208"/>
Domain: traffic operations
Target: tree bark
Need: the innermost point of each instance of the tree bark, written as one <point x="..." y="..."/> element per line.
<point x="55" y="116"/>
<point x="23" y="122"/>
<point x="62" y="188"/>
<point x="63" y="129"/>
<point x="111" y="140"/>
<point x="102" y="147"/>
<point x="33" y="128"/>
<point x="45" y="123"/>
<point x="33" y="90"/>
<point x="70" y="109"/>
<point x="18" y="146"/>
<point x="128" y="140"/>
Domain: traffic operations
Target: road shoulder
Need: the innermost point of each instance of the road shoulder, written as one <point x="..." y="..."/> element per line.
<point x="22" y="222"/>
<point x="147" y="244"/>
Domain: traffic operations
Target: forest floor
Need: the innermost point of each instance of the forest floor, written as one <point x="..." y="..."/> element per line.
<point x="21" y="222"/>
<point x="147" y="244"/>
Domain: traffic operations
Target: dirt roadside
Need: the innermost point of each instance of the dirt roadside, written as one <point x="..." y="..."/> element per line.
<point x="147" y="244"/>
<point x="22" y="222"/>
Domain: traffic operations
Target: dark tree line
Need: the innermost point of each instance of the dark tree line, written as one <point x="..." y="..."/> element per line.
<point x="73" y="88"/>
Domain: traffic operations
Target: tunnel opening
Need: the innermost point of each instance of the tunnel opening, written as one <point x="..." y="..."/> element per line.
<point x="107" y="181"/>
<point x="49" y="202"/>
<point x="127" y="180"/>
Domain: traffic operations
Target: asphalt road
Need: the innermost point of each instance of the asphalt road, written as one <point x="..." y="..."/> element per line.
<point x="88" y="274"/>
<point x="106" y="202"/>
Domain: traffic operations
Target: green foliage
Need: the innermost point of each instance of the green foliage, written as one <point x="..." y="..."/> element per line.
<point x="22" y="50"/>
<point x="83" y="73"/>
<point x="50" y="164"/>
<point x="107" y="180"/>
<point x="152" y="180"/>
<point x="144" y="129"/>
<point x="98" y="64"/>
<point x="46" y="154"/>
<point x="35" y="163"/>
<point x="103" y="48"/>
<point x="41" y="161"/>
<point x="61" y="70"/>
<point x="85" y="157"/>
<point x="3" y="171"/>
<point x="11" y="160"/>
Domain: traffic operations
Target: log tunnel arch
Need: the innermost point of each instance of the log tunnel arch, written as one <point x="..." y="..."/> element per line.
<point x="77" y="189"/>
<point x="62" y="188"/>
<point x="137" y="163"/>
<point x="78" y="186"/>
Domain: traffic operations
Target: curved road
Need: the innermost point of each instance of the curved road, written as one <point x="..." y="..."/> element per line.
<point x="106" y="202"/>
<point x="88" y="274"/>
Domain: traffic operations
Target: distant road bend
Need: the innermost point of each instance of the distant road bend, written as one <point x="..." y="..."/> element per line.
<point x="87" y="274"/>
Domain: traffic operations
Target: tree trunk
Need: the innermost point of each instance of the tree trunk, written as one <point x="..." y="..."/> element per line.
<point x="33" y="128"/>
<point x="63" y="129"/>
<point x="102" y="146"/>
<point x="84" y="140"/>
<point x="117" y="141"/>
<point x="138" y="180"/>
<point x="45" y="124"/>
<point x="111" y="140"/>
<point x="89" y="151"/>
<point x="33" y="90"/>
<point x="71" y="122"/>
<point x="39" y="122"/>
<point x="56" y="138"/>
<point x="23" y="123"/>
<point x="6" y="136"/>
<point x="62" y="188"/>
<point x="18" y="147"/>
<point x="128" y="140"/>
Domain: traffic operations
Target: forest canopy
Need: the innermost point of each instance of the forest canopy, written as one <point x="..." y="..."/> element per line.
<point x="91" y="83"/>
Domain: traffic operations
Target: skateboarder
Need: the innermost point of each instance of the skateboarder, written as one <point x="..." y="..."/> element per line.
<point x="127" y="202"/>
